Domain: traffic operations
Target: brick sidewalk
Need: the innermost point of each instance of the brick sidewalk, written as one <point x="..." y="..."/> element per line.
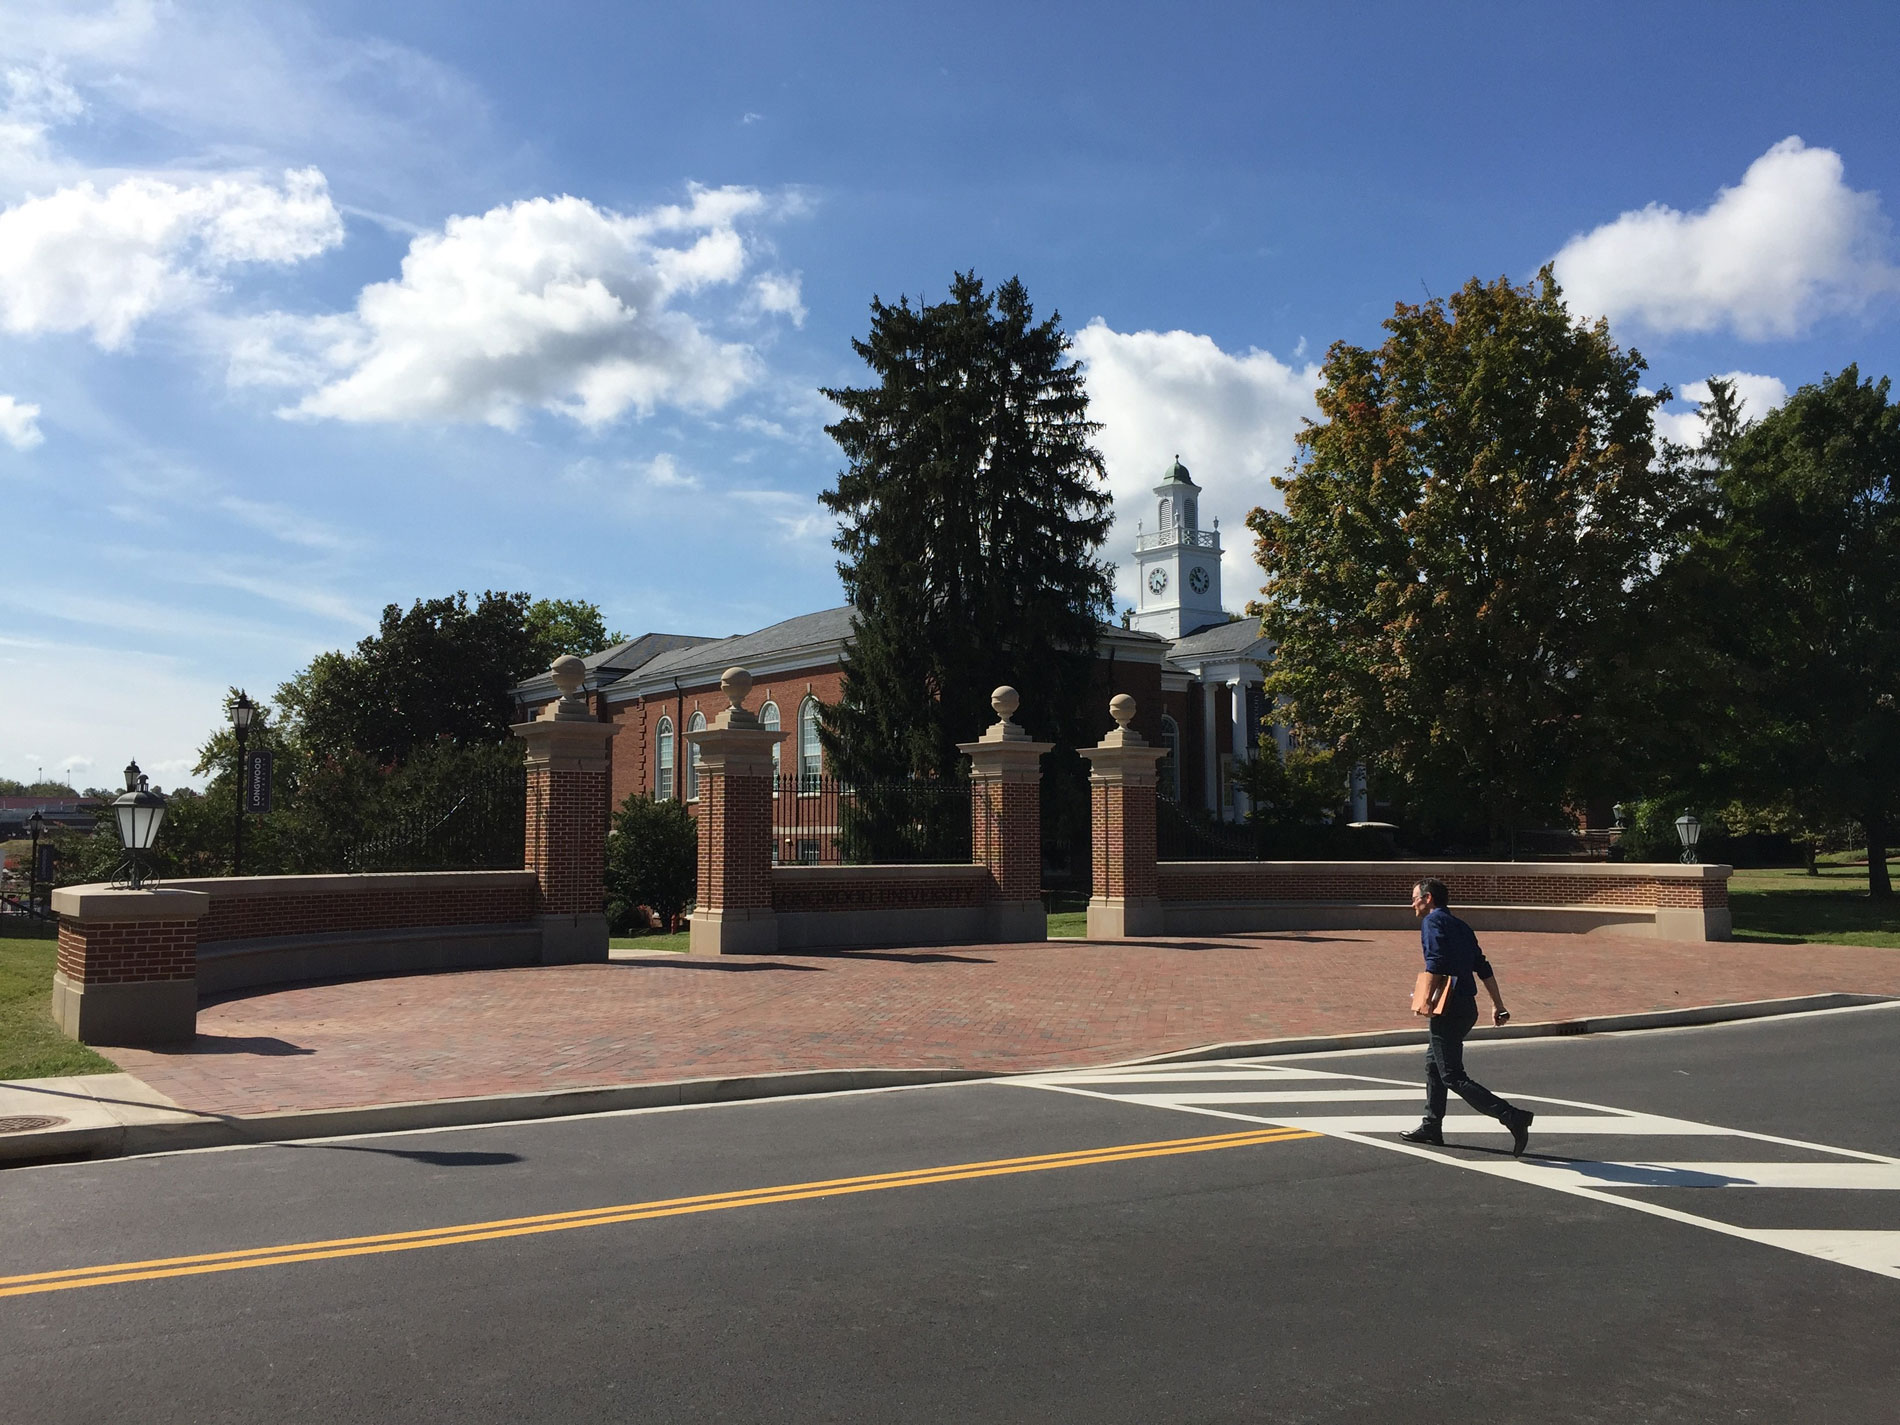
<point x="1003" y="1008"/>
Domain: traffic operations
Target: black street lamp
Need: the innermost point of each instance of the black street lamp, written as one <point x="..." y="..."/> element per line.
<point x="35" y="824"/>
<point x="139" y="813"/>
<point x="242" y="711"/>
<point x="1688" y="832"/>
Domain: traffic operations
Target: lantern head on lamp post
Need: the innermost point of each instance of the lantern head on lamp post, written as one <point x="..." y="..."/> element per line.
<point x="139" y="813"/>
<point x="1688" y="832"/>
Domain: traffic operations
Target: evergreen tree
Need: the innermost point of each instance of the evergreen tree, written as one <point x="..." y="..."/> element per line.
<point x="971" y="514"/>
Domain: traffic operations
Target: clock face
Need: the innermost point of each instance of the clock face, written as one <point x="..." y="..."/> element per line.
<point x="1198" y="581"/>
<point x="1158" y="580"/>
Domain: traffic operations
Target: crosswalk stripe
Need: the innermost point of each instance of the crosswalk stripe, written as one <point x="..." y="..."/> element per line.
<point x="1838" y="1177"/>
<point x="1619" y="1184"/>
<point x="1870" y="1251"/>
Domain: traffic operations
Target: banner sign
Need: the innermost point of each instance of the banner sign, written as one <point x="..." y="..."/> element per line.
<point x="257" y="781"/>
<point x="44" y="871"/>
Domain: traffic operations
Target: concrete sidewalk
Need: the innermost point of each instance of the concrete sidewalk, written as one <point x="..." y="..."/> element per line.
<point x="484" y="1046"/>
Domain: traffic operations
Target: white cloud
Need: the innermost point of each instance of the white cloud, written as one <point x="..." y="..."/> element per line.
<point x="777" y="294"/>
<point x="83" y="259"/>
<point x="545" y="304"/>
<point x="1759" y="395"/>
<point x="1231" y="419"/>
<point x="1789" y="244"/>
<point x="19" y="424"/>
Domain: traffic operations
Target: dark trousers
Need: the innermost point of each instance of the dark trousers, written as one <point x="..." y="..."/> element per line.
<point x="1445" y="1065"/>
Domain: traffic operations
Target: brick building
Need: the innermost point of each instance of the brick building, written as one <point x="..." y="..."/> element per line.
<point x="1194" y="674"/>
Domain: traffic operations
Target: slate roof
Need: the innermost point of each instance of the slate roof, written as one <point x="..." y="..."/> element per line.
<point x="611" y="664"/>
<point x="1223" y="641"/>
<point x="706" y="659"/>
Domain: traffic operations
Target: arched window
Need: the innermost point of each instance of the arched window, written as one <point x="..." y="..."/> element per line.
<point x="1168" y="774"/>
<point x="1167" y="514"/>
<point x="695" y="723"/>
<point x="810" y="759"/>
<point x="768" y="717"/>
<point x="1187" y="514"/>
<point x="663" y="763"/>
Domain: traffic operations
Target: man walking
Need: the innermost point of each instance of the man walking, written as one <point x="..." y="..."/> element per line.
<point x="1452" y="950"/>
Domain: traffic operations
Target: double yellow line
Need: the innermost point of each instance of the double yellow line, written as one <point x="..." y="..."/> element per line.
<point x="288" y="1253"/>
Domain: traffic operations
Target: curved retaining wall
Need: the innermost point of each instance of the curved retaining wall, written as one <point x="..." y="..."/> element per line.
<point x="1669" y="901"/>
<point x="133" y="964"/>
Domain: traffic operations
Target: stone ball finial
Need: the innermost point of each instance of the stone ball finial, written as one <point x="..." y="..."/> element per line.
<point x="1005" y="700"/>
<point x="568" y="673"/>
<point x="735" y="683"/>
<point x="1121" y="707"/>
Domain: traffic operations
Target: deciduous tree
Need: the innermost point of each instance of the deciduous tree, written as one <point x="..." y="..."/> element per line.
<point x="1462" y="582"/>
<point x="1802" y="573"/>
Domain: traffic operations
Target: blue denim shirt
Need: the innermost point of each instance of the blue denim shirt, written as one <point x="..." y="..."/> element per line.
<point x="1451" y="949"/>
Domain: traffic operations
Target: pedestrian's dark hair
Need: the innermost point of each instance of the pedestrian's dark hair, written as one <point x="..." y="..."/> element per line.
<point x="1436" y="890"/>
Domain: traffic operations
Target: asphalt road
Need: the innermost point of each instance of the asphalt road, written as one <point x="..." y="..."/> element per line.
<point x="679" y="1266"/>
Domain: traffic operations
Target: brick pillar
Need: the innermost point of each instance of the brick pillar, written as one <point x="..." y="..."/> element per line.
<point x="1692" y="903"/>
<point x="566" y="842"/>
<point x="732" y="913"/>
<point x="1006" y="820"/>
<point x="1125" y="899"/>
<point x="128" y="964"/>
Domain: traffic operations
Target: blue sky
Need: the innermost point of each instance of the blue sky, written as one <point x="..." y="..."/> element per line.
<point x="308" y="309"/>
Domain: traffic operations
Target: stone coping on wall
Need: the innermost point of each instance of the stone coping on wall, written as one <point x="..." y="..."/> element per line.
<point x="1447" y="870"/>
<point x="97" y="904"/>
<point x="263" y="887"/>
<point x="926" y="871"/>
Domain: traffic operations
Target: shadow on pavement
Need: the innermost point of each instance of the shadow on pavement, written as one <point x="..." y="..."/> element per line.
<point x="262" y="1045"/>
<point x="430" y="1156"/>
<point x="916" y="957"/>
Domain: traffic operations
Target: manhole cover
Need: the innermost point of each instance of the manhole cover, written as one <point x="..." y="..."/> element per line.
<point x="28" y="1125"/>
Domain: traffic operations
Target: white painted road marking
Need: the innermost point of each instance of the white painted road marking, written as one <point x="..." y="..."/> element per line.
<point x="1839" y="1169"/>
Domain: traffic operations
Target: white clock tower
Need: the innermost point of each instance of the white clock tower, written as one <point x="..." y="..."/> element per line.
<point x="1179" y="564"/>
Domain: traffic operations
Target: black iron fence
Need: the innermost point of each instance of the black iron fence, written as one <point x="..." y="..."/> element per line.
<point x="478" y="825"/>
<point x="1182" y="834"/>
<point x="821" y="821"/>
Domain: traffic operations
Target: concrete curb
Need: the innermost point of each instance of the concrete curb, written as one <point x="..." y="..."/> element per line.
<point x="189" y="1131"/>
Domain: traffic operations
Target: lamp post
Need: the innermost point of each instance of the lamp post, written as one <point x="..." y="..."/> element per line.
<point x="242" y="711"/>
<point x="139" y="813"/>
<point x="1688" y="832"/>
<point x="35" y="824"/>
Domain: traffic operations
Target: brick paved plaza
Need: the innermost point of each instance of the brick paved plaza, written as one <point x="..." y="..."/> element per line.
<point x="1002" y="1008"/>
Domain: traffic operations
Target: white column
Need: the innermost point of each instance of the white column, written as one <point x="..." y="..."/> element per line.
<point x="1361" y="807"/>
<point x="1210" y="761"/>
<point x="1243" y="743"/>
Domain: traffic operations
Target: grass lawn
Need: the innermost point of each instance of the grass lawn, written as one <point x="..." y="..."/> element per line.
<point x="653" y="940"/>
<point x="1791" y="907"/>
<point x="31" y="1046"/>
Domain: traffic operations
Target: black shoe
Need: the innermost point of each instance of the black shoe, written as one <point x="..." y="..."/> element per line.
<point x="1518" y="1120"/>
<point x="1424" y="1133"/>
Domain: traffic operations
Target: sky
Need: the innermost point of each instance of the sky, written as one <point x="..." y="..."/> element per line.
<point x="309" y="309"/>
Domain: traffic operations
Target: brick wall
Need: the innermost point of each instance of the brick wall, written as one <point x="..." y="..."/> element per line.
<point x="128" y="952"/>
<point x="637" y="749"/>
<point x="235" y="916"/>
<point x="1363" y="883"/>
<point x="837" y="888"/>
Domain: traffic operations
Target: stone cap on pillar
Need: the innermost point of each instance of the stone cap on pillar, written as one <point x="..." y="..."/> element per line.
<point x="1124" y="754"/>
<point x="567" y="730"/>
<point x="737" y="743"/>
<point x="97" y="903"/>
<point x="1004" y="749"/>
